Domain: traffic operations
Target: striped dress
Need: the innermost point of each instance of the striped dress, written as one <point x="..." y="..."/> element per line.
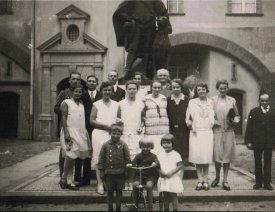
<point x="156" y="120"/>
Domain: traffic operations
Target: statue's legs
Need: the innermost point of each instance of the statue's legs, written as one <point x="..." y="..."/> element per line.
<point x="128" y="67"/>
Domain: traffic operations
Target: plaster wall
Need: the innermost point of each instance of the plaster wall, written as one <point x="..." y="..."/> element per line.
<point x="255" y="33"/>
<point x="99" y="26"/>
<point x="17" y="73"/>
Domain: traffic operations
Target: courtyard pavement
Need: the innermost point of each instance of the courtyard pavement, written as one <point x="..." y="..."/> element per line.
<point x="35" y="180"/>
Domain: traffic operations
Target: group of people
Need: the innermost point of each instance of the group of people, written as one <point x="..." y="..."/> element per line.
<point x="162" y="127"/>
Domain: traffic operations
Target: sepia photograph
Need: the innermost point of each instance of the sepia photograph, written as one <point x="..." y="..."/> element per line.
<point x="137" y="105"/>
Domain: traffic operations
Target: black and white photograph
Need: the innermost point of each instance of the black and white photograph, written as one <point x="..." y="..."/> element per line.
<point x="137" y="105"/>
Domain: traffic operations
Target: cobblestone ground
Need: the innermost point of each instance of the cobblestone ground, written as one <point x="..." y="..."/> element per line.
<point x="192" y="206"/>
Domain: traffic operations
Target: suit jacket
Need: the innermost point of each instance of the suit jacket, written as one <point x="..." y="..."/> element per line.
<point x="88" y="104"/>
<point x="260" y="130"/>
<point x="118" y="95"/>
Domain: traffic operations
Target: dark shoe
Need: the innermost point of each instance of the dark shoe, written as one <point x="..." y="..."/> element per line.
<point x="268" y="187"/>
<point x="226" y="186"/>
<point x="191" y="164"/>
<point x="72" y="187"/>
<point x="215" y="183"/>
<point x="83" y="183"/>
<point x="77" y="183"/>
<point x="199" y="186"/>
<point x="205" y="186"/>
<point x="62" y="184"/>
<point x="257" y="186"/>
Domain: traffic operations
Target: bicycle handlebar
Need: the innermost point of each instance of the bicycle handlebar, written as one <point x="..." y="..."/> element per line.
<point x="141" y="167"/>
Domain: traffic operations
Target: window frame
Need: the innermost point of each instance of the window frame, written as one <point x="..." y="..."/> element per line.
<point x="175" y="12"/>
<point x="258" y="9"/>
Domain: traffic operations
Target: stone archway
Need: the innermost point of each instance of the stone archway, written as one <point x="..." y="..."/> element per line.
<point x="258" y="69"/>
<point x="20" y="57"/>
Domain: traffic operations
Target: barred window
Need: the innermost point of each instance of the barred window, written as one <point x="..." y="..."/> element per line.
<point x="5" y="7"/>
<point x="175" y="6"/>
<point x="72" y="32"/>
<point x="245" y="7"/>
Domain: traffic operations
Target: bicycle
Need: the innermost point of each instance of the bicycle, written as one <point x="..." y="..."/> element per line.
<point x="141" y="203"/>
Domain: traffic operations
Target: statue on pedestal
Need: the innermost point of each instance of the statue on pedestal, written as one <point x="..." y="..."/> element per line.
<point x="142" y="27"/>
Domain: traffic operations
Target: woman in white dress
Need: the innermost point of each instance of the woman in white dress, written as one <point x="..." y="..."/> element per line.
<point x="156" y="118"/>
<point x="75" y="142"/>
<point x="130" y="111"/>
<point x="200" y="119"/>
<point x="103" y="114"/>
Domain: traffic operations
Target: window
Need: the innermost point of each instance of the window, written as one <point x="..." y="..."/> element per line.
<point x="175" y="6"/>
<point x="73" y="32"/>
<point x="5" y="7"/>
<point x="245" y="7"/>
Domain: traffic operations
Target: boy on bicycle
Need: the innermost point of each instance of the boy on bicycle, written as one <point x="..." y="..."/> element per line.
<point x="150" y="175"/>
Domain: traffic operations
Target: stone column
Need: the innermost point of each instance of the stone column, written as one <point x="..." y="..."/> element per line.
<point x="45" y="116"/>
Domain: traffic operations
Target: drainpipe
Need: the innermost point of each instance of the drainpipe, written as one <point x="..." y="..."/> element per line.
<point x="32" y="71"/>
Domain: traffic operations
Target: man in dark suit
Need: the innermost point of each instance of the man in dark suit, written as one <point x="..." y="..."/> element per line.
<point x="259" y="137"/>
<point x="118" y="93"/>
<point x="88" y="99"/>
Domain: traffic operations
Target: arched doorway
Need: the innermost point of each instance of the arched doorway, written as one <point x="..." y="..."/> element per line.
<point x="238" y="96"/>
<point x="9" y="114"/>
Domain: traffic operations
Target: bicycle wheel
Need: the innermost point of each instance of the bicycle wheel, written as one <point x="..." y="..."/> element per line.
<point x="143" y="203"/>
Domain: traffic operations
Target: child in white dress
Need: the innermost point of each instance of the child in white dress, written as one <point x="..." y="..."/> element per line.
<point x="171" y="173"/>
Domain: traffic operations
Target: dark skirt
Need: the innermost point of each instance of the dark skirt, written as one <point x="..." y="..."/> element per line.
<point x="114" y="181"/>
<point x="182" y="141"/>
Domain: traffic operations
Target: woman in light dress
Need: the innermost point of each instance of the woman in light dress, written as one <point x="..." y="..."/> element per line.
<point x="156" y="118"/>
<point x="103" y="115"/>
<point x="130" y="111"/>
<point x="200" y="119"/>
<point x="75" y="142"/>
<point x="224" y="136"/>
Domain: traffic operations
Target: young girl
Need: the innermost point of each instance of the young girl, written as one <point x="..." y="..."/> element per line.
<point x="171" y="172"/>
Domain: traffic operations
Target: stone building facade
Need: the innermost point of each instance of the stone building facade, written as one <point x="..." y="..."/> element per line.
<point x="211" y="39"/>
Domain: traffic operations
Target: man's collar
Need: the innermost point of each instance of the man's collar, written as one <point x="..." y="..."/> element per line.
<point x="263" y="109"/>
<point x="115" y="86"/>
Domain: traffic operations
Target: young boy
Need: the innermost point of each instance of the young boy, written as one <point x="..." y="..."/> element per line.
<point x="113" y="159"/>
<point x="149" y="176"/>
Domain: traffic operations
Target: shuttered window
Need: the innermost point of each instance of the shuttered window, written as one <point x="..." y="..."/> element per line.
<point x="175" y="6"/>
<point x="5" y="7"/>
<point x="245" y="7"/>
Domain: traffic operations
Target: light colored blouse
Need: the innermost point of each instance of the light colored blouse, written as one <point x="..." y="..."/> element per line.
<point x="201" y="113"/>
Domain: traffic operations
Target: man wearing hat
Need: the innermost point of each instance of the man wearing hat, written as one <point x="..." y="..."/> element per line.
<point x="135" y="23"/>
